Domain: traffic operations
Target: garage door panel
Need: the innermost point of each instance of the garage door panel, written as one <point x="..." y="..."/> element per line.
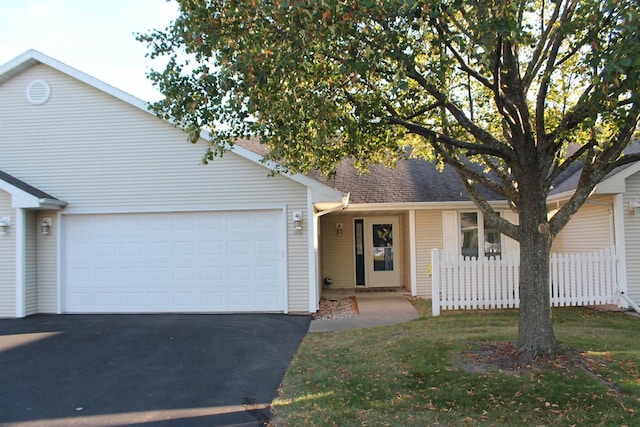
<point x="185" y="262"/>
<point x="266" y="272"/>
<point x="158" y="301"/>
<point x="184" y="249"/>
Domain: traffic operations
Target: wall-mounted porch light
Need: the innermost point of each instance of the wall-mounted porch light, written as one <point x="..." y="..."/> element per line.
<point x="45" y="226"/>
<point x="297" y="222"/>
<point x="339" y="228"/>
<point x="5" y="222"/>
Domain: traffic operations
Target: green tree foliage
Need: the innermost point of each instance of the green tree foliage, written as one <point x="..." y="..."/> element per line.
<point x="524" y="88"/>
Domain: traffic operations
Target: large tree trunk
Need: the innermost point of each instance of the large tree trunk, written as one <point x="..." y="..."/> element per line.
<point x="535" y="334"/>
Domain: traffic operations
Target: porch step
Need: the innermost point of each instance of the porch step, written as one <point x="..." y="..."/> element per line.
<point x="369" y="290"/>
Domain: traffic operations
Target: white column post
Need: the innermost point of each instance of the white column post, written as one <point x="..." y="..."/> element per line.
<point x="621" y="253"/>
<point x="413" y="256"/>
<point x="435" y="282"/>
<point x="20" y="262"/>
<point x="312" y="243"/>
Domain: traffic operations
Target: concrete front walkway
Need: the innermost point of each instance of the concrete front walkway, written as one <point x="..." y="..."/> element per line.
<point x="376" y="309"/>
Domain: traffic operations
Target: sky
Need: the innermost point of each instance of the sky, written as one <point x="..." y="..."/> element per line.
<point x="92" y="36"/>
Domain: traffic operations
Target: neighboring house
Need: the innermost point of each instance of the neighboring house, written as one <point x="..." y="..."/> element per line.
<point x="107" y="209"/>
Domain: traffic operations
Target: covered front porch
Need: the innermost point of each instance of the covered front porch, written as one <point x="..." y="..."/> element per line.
<point x="367" y="250"/>
<point x="367" y="253"/>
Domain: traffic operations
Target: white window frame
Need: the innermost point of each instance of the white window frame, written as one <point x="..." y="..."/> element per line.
<point x="481" y="233"/>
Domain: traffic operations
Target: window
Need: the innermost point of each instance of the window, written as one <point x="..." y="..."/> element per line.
<point x="472" y="225"/>
<point x="469" y="234"/>
<point x="382" y="247"/>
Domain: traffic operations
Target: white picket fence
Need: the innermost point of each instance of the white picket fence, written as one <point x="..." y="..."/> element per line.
<point x="576" y="279"/>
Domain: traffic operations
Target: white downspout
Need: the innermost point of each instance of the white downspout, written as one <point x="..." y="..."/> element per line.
<point x="631" y="303"/>
<point x="618" y="232"/>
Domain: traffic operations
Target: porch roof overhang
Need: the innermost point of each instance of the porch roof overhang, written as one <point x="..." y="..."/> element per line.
<point x="325" y="207"/>
<point x="400" y="207"/>
<point x="26" y="196"/>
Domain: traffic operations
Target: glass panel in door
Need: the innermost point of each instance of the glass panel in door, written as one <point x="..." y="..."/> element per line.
<point x="382" y="247"/>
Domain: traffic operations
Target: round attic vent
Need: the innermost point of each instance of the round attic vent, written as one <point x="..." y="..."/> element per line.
<point x="38" y="92"/>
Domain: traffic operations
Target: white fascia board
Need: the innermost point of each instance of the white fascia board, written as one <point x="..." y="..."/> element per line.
<point x="31" y="57"/>
<point x="616" y="184"/>
<point x="320" y="191"/>
<point x="362" y="207"/>
<point x="613" y="185"/>
<point x="22" y="199"/>
<point x="560" y="197"/>
<point x="19" y="197"/>
<point x="52" y="204"/>
<point x="323" y="208"/>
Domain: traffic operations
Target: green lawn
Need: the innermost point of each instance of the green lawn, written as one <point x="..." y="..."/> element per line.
<point x="423" y="373"/>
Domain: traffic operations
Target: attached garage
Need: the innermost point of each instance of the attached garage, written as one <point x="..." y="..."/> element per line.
<point x="229" y="261"/>
<point x="122" y="217"/>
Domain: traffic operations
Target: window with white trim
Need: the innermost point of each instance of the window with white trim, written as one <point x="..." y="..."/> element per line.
<point x="472" y="226"/>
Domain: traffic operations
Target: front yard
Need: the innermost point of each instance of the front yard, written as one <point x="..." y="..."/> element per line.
<point x="448" y="371"/>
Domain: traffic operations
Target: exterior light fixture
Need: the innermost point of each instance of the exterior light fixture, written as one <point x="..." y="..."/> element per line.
<point x="5" y="222"/>
<point x="297" y="222"/>
<point x="45" y="226"/>
<point x="339" y="228"/>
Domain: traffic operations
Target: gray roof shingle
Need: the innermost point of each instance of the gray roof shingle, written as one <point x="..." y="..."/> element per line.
<point x="411" y="181"/>
<point x="414" y="180"/>
<point x="24" y="186"/>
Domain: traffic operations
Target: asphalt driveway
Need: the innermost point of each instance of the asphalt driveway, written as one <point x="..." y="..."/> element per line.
<point x="150" y="370"/>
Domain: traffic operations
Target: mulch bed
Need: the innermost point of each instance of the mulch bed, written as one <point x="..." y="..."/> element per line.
<point x="337" y="308"/>
<point x="503" y="356"/>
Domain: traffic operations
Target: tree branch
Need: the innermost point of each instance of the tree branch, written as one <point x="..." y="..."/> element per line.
<point x="443" y="33"/>
<point x="556" y="42"/>
<point x="539" y="53"/>
<point x="474" y="148"/>
<point x="492" y="145"/>
<point x="509" y="190"/>
<point x="492" y="216"/>
<point x="561" y="167"/>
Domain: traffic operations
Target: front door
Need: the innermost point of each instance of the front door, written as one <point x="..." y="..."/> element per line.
<point x="382" y="252"/>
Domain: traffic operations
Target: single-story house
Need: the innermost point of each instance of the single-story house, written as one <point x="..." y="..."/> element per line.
<point x="105" y="208"/>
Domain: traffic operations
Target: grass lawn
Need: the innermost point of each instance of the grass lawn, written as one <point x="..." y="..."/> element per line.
<point x="430" y="372"/>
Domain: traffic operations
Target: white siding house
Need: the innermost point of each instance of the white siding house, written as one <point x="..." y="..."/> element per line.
<point x="135" y="222"/>
<point x="104" y="208"/>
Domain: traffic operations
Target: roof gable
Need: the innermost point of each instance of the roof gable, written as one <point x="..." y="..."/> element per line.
<point x="31" y="58"/>
<point x="613" y="183"/>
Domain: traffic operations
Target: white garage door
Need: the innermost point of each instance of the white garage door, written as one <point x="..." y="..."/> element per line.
<point x="174" y="262"/>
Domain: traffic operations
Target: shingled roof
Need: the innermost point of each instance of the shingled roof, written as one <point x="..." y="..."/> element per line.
<point x="25" y="187"/>
<point x="568" y="181"/>
<point x="414" y="181"/>
<point x="411" y="181"/>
